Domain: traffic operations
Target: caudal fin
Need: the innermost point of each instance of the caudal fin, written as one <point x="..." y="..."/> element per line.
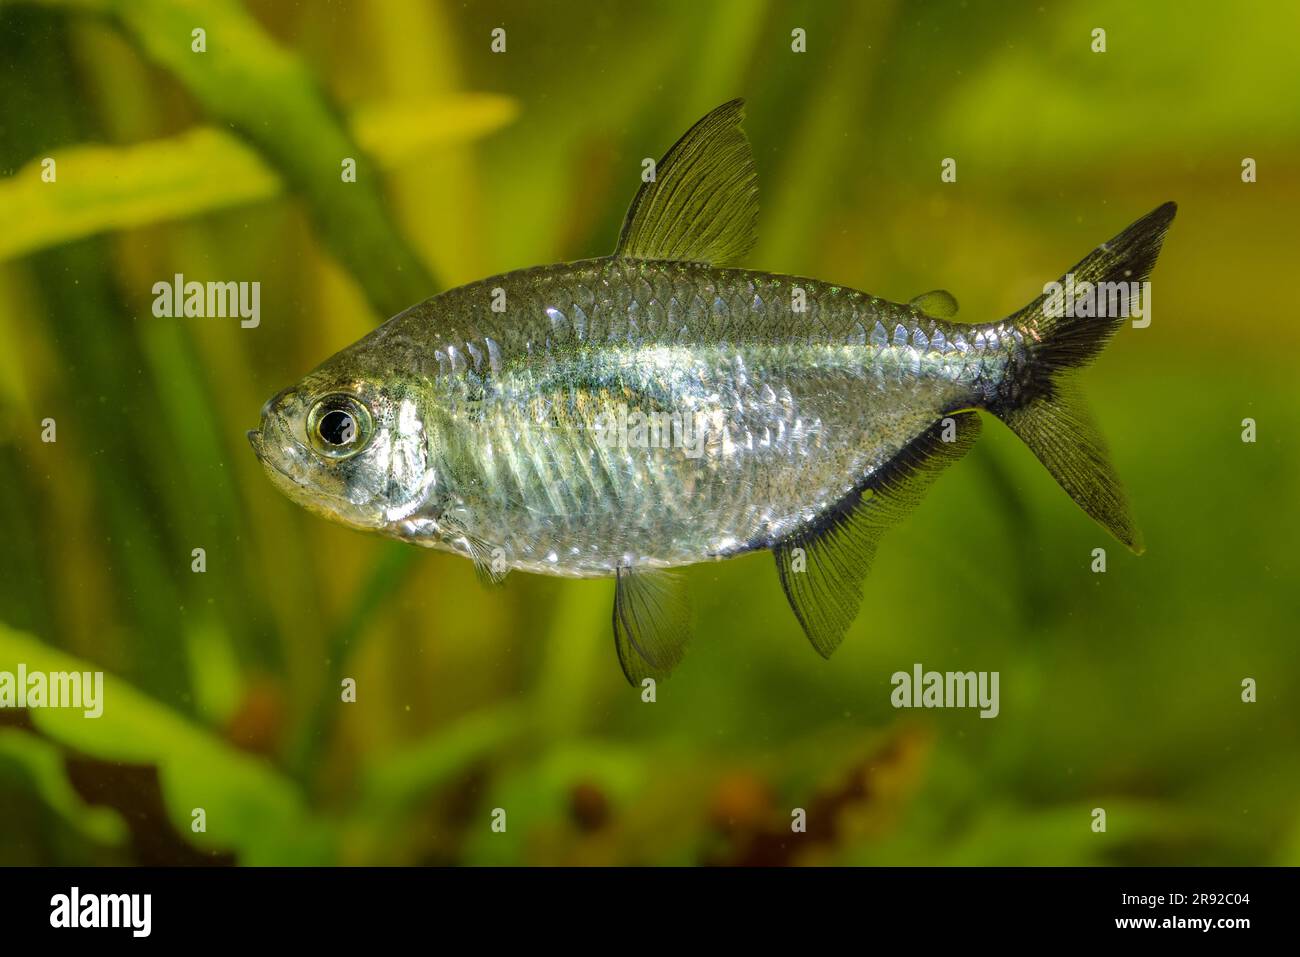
<point x="1039" y="400"/>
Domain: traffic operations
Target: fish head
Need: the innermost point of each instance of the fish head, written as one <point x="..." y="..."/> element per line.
<point x="349" y="446"/>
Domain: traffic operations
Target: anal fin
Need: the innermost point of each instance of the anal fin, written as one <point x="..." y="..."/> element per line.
<point x="823" y="568"/>
<point x="651" y="622"/>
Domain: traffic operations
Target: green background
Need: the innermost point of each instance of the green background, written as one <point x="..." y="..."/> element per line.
<point x="1119" y="690"/>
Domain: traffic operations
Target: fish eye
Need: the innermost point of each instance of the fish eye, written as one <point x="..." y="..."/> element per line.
<point x="339" y="426"/>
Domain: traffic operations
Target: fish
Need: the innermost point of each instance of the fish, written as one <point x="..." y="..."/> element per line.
<point x="661" y="407"/>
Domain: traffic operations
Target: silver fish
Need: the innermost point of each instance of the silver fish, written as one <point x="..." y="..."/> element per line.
<point x="660" y="407"/>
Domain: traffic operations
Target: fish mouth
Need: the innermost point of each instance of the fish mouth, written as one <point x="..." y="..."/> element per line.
<point x="258" y="442"/>
<point x="266" y="455"/>
<point x="278" y="454"/>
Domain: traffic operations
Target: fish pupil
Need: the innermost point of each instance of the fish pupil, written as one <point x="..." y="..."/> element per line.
<point x="337" y="427"/>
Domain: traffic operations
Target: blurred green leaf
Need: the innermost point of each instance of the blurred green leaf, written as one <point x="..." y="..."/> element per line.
<point x="265" y="93"/>
<point x="41" y="762"/>
<point x="250" y="808"/>
<point x="214" y="673"/>
<point x="403" y="778"/>
<point x="102" y="188"/>
<point x="1056" y="836"/>
<point x="396" y="132"/>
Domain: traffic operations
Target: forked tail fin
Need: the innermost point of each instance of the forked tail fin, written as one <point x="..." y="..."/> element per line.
<point x="1038" y="399"/>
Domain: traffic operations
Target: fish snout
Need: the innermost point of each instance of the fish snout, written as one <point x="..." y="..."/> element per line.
<point x="267" y="424"/>
<point x="270" y="405"/>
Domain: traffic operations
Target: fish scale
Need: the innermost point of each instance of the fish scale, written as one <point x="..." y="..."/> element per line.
<point x="850" y="402"/>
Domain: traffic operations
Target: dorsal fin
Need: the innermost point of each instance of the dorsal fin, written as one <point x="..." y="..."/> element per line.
<point x="702" y="205"/>
<point x="822" y="569"/>
<point x="939" y="303"/>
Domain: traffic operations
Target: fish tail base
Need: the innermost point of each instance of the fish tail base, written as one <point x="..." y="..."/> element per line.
<point x="1039" y="399"/>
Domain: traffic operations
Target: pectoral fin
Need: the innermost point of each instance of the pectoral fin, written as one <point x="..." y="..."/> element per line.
<point x="490" y="565"/>
<point x="822" y="569"/>
<point x="489" y="561"/>
<point x="651" y="623"/>
<point x="702" y="205"/>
